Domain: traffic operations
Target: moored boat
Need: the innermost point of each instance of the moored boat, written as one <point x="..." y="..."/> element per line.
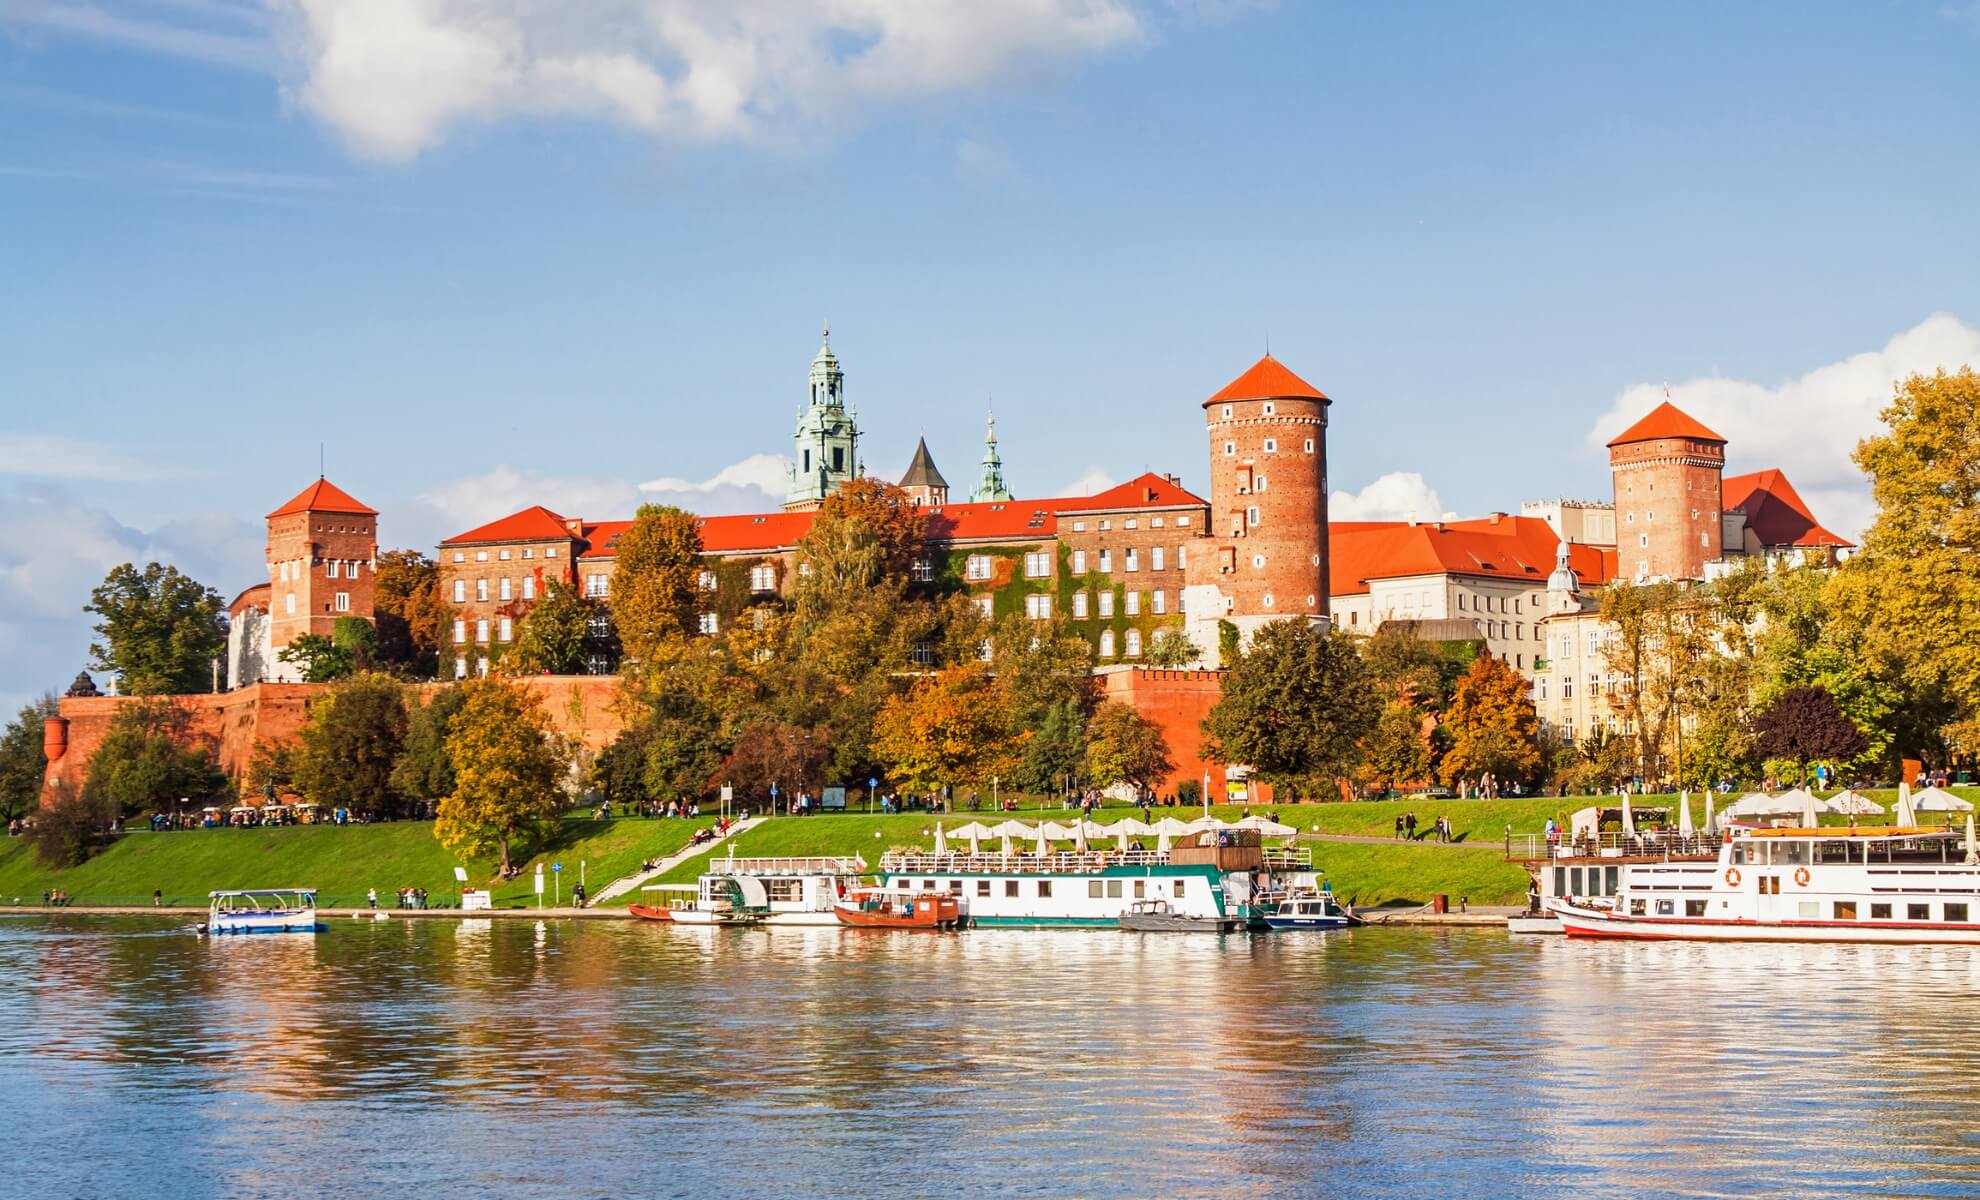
<point x="877" y="908"/>
<point x="261" y="910"/>
<point x="650" y="912"/>
<point x="1308" y="908"/>
<point x="1156" y="916"/>
<point x="768" y="891"/>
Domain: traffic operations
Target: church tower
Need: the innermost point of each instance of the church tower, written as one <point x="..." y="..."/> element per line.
<point x="991" y="486"/>
<point x="825" y="450"/>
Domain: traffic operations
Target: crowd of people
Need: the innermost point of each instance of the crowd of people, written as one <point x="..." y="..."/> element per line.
<point x="1440" y="829"/>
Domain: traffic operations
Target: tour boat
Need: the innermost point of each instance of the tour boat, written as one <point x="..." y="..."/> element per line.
<point x="877" y="908"/>
<point x="262" y="910"/>
<point x="1222" y="875"/>
<point x="1156" y="916"/>
<point x="1855" y="884"/>
<point x="766" y="891"/>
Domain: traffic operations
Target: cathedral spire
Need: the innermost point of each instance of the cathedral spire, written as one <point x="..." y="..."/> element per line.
<point x="825" y="446"/>
<point x="991" y="485"/>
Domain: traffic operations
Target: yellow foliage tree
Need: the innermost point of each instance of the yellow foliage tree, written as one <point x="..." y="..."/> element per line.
<point x="948" y="728"/>
<point x="508" y="764"/>
<point x="1491" y="723"/>
<point x="657" y="583"/>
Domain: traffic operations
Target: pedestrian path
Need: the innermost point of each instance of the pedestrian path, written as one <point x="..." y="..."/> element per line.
<point x="1374" y="839"/>
<point x="624" y="884"/>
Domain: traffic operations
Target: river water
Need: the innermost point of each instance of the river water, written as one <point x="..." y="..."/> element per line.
<point x="581" y="1059"/>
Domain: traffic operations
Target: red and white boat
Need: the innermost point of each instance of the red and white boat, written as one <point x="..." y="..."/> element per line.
<point x="877" y="908"/>
<point x="1805" y="884"/>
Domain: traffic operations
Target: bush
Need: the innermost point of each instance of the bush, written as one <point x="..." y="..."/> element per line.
<point x="69" y="827"/>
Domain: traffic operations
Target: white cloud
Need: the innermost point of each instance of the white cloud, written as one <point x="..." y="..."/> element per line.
<point x="52" y="456"/>
<point x="1809" y="425"/>
<point x="54" y="548"/>
<point x="1089" y="481"/>
<point x="395" y="77"/>
<point x="223" y="34"/>
<point x="1397" y="496"/>
<point x="768" y="476"/>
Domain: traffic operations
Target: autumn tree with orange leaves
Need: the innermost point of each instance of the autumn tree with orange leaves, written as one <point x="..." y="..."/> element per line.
<point x="1491" y="725"/>
<point x="948" y="729"/>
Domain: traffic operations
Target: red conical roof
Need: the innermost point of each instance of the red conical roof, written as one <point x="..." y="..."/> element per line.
<point x="1666" y="420"/>
<point x="1268" y="379"/>
<point x="323" y="496"/>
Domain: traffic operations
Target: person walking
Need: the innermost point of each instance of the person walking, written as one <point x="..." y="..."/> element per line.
<point x="371" y="897"/>
<point x="1409" y="824"/>
<point x="157" y="898"/>
<point x="1399" y="826"/>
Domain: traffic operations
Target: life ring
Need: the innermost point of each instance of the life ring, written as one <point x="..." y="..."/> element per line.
<point x="1732" y="876"/>
<point x="1801" y="876"/>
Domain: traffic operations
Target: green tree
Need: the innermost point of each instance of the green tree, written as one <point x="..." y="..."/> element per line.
<point x="507" y="764"/>
<point x="1171" y="648"/>
<point x="619" y="771"/>
<point x="411" y="612"/>
<point x="71" y="826"/>
<point x="1055" y="753"/>
<point x="1491" y="725"/>
<point x="1398" y="752"/>
<point x="160" y="631"/>
<point x="151" y="758"/>
<point x="1296" y="705"/>
<point x="424" y="774"/>
<point x="350" y="648"/>
<point x="556" y="633"/>
<point x="346" y="753"/>
<point x="1125" y="747"/>
<point x="1804" y="725"/>
<point x="656" y="592"/>
<point x="22" y="761"/>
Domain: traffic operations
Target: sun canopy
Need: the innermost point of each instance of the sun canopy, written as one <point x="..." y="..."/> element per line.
<point x="1760" y="804"/>
<point x="973" y="830"/>
<point x="1265" y="826"/>
<point x="1854" y="804"/>
<point x="1938" y="799"/>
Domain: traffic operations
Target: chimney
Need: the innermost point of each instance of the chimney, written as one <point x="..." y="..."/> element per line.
<point x="1498" y="517"/>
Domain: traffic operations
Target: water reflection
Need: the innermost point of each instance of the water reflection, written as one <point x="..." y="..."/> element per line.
<point x="549" y="1058"/>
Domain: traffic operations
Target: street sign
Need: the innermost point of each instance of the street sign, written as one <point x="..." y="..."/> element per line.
<point x="460" y="874"/>
<point x="539" y="883"/>
<point x="728" y="793"/>
<point x="558" y="867"/>
<point x="872" y="782"/>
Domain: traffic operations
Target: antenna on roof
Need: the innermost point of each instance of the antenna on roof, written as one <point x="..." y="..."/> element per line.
<point x="319" y="460"/>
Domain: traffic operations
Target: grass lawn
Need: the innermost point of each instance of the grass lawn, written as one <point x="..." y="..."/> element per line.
<point x="341" y="862"/>
<point x="1368" y="875"/>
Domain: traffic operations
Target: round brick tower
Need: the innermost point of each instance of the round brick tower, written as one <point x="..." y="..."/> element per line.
<point x="1267" y="543"/>
<point x="1669" y="471"/>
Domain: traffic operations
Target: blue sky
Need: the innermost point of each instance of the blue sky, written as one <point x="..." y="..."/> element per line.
<point x="492" y="257"/>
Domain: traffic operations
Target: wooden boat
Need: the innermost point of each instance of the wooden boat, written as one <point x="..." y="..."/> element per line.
<point x="650" y="912"/>
<point x="876" y="908"/>
<point x="1155" y="916"/>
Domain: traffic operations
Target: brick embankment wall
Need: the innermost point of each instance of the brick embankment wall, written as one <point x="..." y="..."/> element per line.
<point x="1177" y="702"/>
<point x="235" y="724"/>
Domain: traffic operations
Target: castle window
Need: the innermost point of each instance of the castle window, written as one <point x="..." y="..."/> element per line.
<point x="1132" y="564"/>
<point x="1133" y="643"/>
<point x="1694" y="514"/>
<point x="481" y="630"/>
<point x="291" y="605"/>
<point x="985" y="606"/>
<point x="838" y="458"/>
<point x="1251" y="516"/>
<point x="707" y="623"/>
<point x="1155" y="558"/>
<point x="1704" y="541"/>
<point x="504" y="630"/>
<point x="504" y="556"/>
<point x="461" y="556"/>
<point x="1037" y="564"/>
<point x="460" y="591"/>
<point x="1079" y="606"/>
<point x="1079" y="562"/>
<point x="1133" y="604"/>
<point x="481" y="590"/>
<point x="506" y="591"/>
<point x="1182" y="557"/>
<point x="1309" y="445"/>
<point x="1270" y="408"/>
<point x="1106" y="603"/>
<point x="1130" y="523"/>
<point x="1230" y="449"/>
<point x="343" y="602"/>
<point x="1038" y="606"/>
<point x="481" y="556"/>
<point x="1183" y="521"/>
<point x="707" y="581"/>
<point x="1649" y="515"/>
<point x="330" y="568"/>
<point x="1258" y="484"/>
<point x="1154" y="522"/>
<point x="1227" y="412"/>
<point x="922" y="655"/>
<point x="1106" y="643"/>
<point x="481" y="667"/>
<point x="460" y="668"/>
<point x="596" y="586"/>
<point x="550" y="552"/>
<point x="1271" y="445"/>
<point x="977" y="567"/>
<point x="1642" y="540"/>
<point x="763" y="578"/>
<point x="1106" y="525"/>
<point x="1106" y="560"/>
<point x="529" y="587"/>
<point x="1567" y="687"/>
<point x="1079" y="527"/>
<point x="460" y="631"/>
<point x="921" y="570"/>
<point x="529" y="552"/>
<point x="1156" y="603"/>
<point x="1268" y="599"/>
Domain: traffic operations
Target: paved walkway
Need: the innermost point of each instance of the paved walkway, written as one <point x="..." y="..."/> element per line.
<point x="1376" y="839"/>
<point x="624" y="884"/>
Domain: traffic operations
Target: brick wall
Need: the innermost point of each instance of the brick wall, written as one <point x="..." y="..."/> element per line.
<point x="1177" y="702"/>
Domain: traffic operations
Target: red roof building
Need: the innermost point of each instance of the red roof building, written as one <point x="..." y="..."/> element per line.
<point x="1775" y="517"/>
<point x="323" y="497"/>
<point x="1666" y="420"/>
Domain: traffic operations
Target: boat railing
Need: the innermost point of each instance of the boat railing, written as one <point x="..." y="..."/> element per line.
<point x="1069" y="862"/>
<point x="784" y="866"/>
<point x="1539" y="847"/>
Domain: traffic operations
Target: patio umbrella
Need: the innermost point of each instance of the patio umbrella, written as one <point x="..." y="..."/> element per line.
<point x="1972" y="846"/>
<point x="1121" y="842"/>
<point x="1044" y="847"/>
<point x="1760" y="804"/>
<point x="1007" y="845"/>
<point x="1854" y="804"/>
<point x="1629" y="818"/>
<point x="1162" y="842"/>
<point x="1906" y="815"/>
<point x="975" y="842"/>
<point x="1265" y="826"/>
<point x="1079" y="835"/>
<point x="1938" y="799"/>
<point x="1809" y="817"/>
<point x="1684" y="814"/>
<point x="1711" y="818"/>
<point x="941" y="843"/>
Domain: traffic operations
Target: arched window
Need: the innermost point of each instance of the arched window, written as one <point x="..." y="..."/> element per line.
<point x="1106" y="643"/>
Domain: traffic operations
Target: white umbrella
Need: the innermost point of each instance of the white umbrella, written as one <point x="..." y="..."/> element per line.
<point x="1265" y="826"/>
<point x="1760" y="804"/>
<point x="975" y="842"/>
<point x="1162" y="842"/>
<point x="1079" y="835"/>
<point x="941" y="843"/>
<point x="1044" y="847"/>
<point x="1906" y="815"/>
<point x="1972" y="846"/>
<point x="1854" y="804"/>
<point x="1629" y="818"/>
<point x="1711" y="818"/>
<point x="1134" y="826"/>
<point x="1809" y="817"/>
<point x="1121" y="842"/>
<point x="1938" y="799"/>
<point x="1684" y="814"/>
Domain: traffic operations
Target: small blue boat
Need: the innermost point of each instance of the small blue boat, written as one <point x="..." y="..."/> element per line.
<point x="1305" y="909"/>
<point x="262" y="910"/>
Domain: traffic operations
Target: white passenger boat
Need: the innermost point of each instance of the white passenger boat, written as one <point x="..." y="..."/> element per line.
<point x="1218" y="876"/>
<point x="1856" y="884"/>
<point x="262" y="910"/>
<point x="768" y="891"/>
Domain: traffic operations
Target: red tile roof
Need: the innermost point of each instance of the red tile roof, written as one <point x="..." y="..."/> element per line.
<point x="255" y="594"/>
<point x="1666" y="420"/>
<point x="1144" y="491"/>
<point x="1775" y="512"/>
<point x="1516" y="548"/>
<point x="1267" y="379"/>
<point x="323" y="496"/>
<point x="533" y="524"/>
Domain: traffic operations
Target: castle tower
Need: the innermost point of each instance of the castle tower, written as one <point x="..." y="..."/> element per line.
<point x="1266" y="557"/>
<point x="923" y="483"/>
<point x="1668" y="470"/>
<point x="322" y="557"/>
<point x="1563" y="586"/>
<point x="990" y="487"/>
<point x="825" y="449"/>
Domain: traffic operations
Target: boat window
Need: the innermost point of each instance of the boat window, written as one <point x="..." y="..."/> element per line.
<point x="1845" y="910"/>
<point x="1093" y="889"/>
<point x="1739" y="855"/>
<point x="1666" y="908"/>
<point x="1574" y="879"/>
<point x="1694" y="908"/>
<point x="1794" y="854"/>
<point x="955" y="885"/>
<point x="1609" y="880"/>
<point x="1832" y="852"/>
<point x="1113" y="889"/>
<point x="1010" y="887"/>
<point x="1179" y="888"/>
<point x="1917" y="912"/>
<point x="784" y="891"/>
<point x="1140" y="888"/>
<point x="1811" y="909"/>
<point x="1955" y="912"/>
<point x="1560" y="881"/>
<point x="983" y="887"/>
<point x="1880" y="912"/>
<point x="1636" y="908"/>
<point x="1044" y="888"/>
<point x="928" y="885"/>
